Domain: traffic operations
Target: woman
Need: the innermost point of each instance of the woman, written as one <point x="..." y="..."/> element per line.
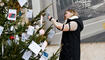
<point x="71" y="35"/>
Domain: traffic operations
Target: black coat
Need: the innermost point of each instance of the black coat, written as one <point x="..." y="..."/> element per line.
<point x="71" y="42"/>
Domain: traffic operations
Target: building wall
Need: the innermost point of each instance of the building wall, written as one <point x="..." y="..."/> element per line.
<point x="57" y="9"/>
<point x="36" y="7"/>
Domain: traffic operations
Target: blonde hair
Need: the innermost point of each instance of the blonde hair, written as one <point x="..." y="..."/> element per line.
<point x="75" y="13"/>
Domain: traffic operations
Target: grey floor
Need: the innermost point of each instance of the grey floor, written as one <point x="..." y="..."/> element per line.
<point x="89" y="51"/>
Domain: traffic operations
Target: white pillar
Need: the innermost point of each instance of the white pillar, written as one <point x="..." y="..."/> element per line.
<point x="35" y="7"/>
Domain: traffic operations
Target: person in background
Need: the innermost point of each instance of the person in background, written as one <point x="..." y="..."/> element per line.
<point x="71" y="28"/>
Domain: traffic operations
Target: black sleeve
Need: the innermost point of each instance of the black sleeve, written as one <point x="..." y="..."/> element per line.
<point x="69" y="26"/>
<point x="80" y="24"/>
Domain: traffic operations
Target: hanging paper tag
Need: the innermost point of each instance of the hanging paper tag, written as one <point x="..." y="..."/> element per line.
<point x="9" y="42"/>
<point x="51" y="33"/>
<point x="44" y="45"/>
<point x="22" y="2"/>
<point x="17" y="39"/>
<point x="23" y="37"/>
<point x="34" y="47"/>
<point x="44" y="56"/>
<point x="27" y="55"/>
<point x="30" y="30"/>
<point x="1" y="30"/>
<point x="12" y="14"/>
<point x="11" y="28"/>
<point x="29" y="13"/>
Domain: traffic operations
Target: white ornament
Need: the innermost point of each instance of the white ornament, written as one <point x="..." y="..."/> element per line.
<point x="41" y="32"/>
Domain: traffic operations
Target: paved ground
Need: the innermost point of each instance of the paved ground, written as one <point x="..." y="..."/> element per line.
<point x="89" y="51"/>
<point x="93" y="51"/>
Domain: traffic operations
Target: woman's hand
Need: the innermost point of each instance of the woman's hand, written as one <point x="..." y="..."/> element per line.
<point x="49" y="17"/>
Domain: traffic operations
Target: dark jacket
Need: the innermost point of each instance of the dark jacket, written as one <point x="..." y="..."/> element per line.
<point x="71" y="42"/>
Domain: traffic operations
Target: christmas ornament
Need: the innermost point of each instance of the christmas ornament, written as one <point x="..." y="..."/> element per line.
<point x="12" y="37"/>
<point x="41" y="32"/>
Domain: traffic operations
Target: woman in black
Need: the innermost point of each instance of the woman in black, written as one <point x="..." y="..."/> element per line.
<point x="71" y="28"/>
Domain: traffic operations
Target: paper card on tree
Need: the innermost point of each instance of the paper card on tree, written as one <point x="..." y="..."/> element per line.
<point x="51" y="33"/>
<point x="1" y="30"/>
<point x="44" y="56"/>
<point x="9" y="42"/>
<point x="12" y="14"/>
<point x="29" y="13"/>
<point x="30" y="30"/>
<point x="17" y="39"/>
<point x="12" y="28"/>
<point x="23" y="37"/>
<point x="44" y="45"/>
<point x="22" y="2"/>
<point x="34" y="47"/>
<point x="27" y="55"/>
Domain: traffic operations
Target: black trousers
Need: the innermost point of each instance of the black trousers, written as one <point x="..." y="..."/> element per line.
<point x="70" y="51"/>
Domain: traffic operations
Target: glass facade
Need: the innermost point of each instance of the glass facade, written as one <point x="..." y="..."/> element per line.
<point x="87" y="8"/>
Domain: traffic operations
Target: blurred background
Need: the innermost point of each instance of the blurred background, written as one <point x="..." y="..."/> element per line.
<point x="92" y="13"/>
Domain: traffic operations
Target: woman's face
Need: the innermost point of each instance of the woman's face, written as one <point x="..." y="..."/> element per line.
<point x="68" y="14"/>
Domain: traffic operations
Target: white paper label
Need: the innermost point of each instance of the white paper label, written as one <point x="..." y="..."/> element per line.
<point x="17" y="39"/>
<point x="44" y="45"/>
<point x="44" y="56"/>
<point x="34" y="47"/>
<point x="29" y="13"/>
<point x="22" y="2"/>
<point x="12" y="14"/>
<point x="30" y="30"/>
<point x="27" y="55"/>
<point x="11" y="28"/>
<point x="24" y="37"/>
